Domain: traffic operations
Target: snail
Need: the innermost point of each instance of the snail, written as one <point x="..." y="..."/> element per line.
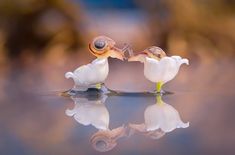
<point x="158" y="67"/>
<point x="141" y="128"/>
<point x="106" y="140"/>
<point x="94" y="74"/>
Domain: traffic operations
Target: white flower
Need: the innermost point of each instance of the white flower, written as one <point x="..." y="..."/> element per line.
<point x="88" y="112"/>
<point x="89" y="75"/>
<point x="158" y="67"/>
<point x="163" y="70"/>
<point x="162" y="116"/>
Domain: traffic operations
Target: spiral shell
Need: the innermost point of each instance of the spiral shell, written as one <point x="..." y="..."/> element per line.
<point x="106" y="140"/>
<point x="102" y="142"/>
<point x="141" y="128"/>
<point x="155" y="52"/>
<point x="101" y="45"/>
<point x="156" y="134"/>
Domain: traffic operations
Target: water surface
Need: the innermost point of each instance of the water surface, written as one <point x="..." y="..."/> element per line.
<point x="34" y="119"/>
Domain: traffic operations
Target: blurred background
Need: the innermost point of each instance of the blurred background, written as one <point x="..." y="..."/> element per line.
<point x="40" y="40"/>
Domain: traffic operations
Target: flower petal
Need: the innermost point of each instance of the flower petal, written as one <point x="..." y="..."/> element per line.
<point x="92" y="112"/>
<point x="163" y="70"/>
<point x="185" y="61"/>
<point x="163" y="116"/>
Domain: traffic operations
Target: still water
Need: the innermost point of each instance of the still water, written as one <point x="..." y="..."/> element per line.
<point x="198" y="118"/>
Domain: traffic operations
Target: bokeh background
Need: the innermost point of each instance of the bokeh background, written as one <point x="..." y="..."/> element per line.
<point x="40" y="40"/>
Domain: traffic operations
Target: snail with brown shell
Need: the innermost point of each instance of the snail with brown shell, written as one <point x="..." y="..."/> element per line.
<point x="158" y="67"/>
<point x="95" y="73"/>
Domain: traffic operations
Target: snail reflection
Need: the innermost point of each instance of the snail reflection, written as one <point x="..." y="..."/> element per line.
<point x="160" y="118"/>
<point x="89" y="109"/>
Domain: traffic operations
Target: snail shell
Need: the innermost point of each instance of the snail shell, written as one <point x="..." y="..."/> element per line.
<point x="101" y="45"/>
<point x="141" y="128"/>
<point x="156" y="134"/>
<point x="102" y="142"/>
<point x="106" y="140"/>
<point x="155" y="52"/>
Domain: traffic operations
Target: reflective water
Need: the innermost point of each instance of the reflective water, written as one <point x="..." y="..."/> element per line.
<point x="90" y="109"/>
<point x="34" y="119"/>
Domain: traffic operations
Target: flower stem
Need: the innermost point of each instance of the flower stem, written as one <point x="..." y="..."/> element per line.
<point x="159" y="87"/>
<point x="98" y="86"/>
<point x="159" y="99"/>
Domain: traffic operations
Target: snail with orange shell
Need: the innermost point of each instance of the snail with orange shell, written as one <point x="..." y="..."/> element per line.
<point x="95" y="73"/>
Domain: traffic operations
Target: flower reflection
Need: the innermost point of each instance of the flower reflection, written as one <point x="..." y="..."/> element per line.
<point x="160" y="118"/>
<point x="91" y="110"/>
